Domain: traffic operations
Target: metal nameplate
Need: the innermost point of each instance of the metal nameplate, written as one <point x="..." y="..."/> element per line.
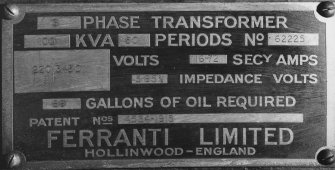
<point x="168" y="85"/>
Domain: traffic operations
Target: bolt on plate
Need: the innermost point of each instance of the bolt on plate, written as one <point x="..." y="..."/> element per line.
<point x="326" y="157"/>
<point x="326" y="9"/>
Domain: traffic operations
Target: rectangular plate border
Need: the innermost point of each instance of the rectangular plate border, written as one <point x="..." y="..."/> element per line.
<point x="8" y="90"/>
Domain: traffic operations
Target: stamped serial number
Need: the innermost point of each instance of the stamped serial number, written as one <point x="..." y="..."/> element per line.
<point x="293" y="39"/>
<point x="290" y="38"/>
<point x="145" y="119"/>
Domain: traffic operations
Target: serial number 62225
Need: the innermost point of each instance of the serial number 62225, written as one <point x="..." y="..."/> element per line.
<point x="291" y="38"/>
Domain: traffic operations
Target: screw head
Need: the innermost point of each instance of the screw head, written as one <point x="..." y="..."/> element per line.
<point x="10" y="11"/>
<point x="326" y="9"/>
<point x="326" y="157"/>
<point x="15" y="159"/>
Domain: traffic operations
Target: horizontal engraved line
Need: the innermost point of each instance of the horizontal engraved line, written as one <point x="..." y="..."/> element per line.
<point x="208" y="6"/>
<point x="212" y="118"/>
<point x="106" y="123"/>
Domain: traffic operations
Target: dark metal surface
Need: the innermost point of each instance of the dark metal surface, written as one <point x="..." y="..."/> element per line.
<point x="325" y="157"/>
<point x="173" y="61"/>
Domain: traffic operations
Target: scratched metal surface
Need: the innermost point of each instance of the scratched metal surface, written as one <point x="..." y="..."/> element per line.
<point x="176" y="1"/>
